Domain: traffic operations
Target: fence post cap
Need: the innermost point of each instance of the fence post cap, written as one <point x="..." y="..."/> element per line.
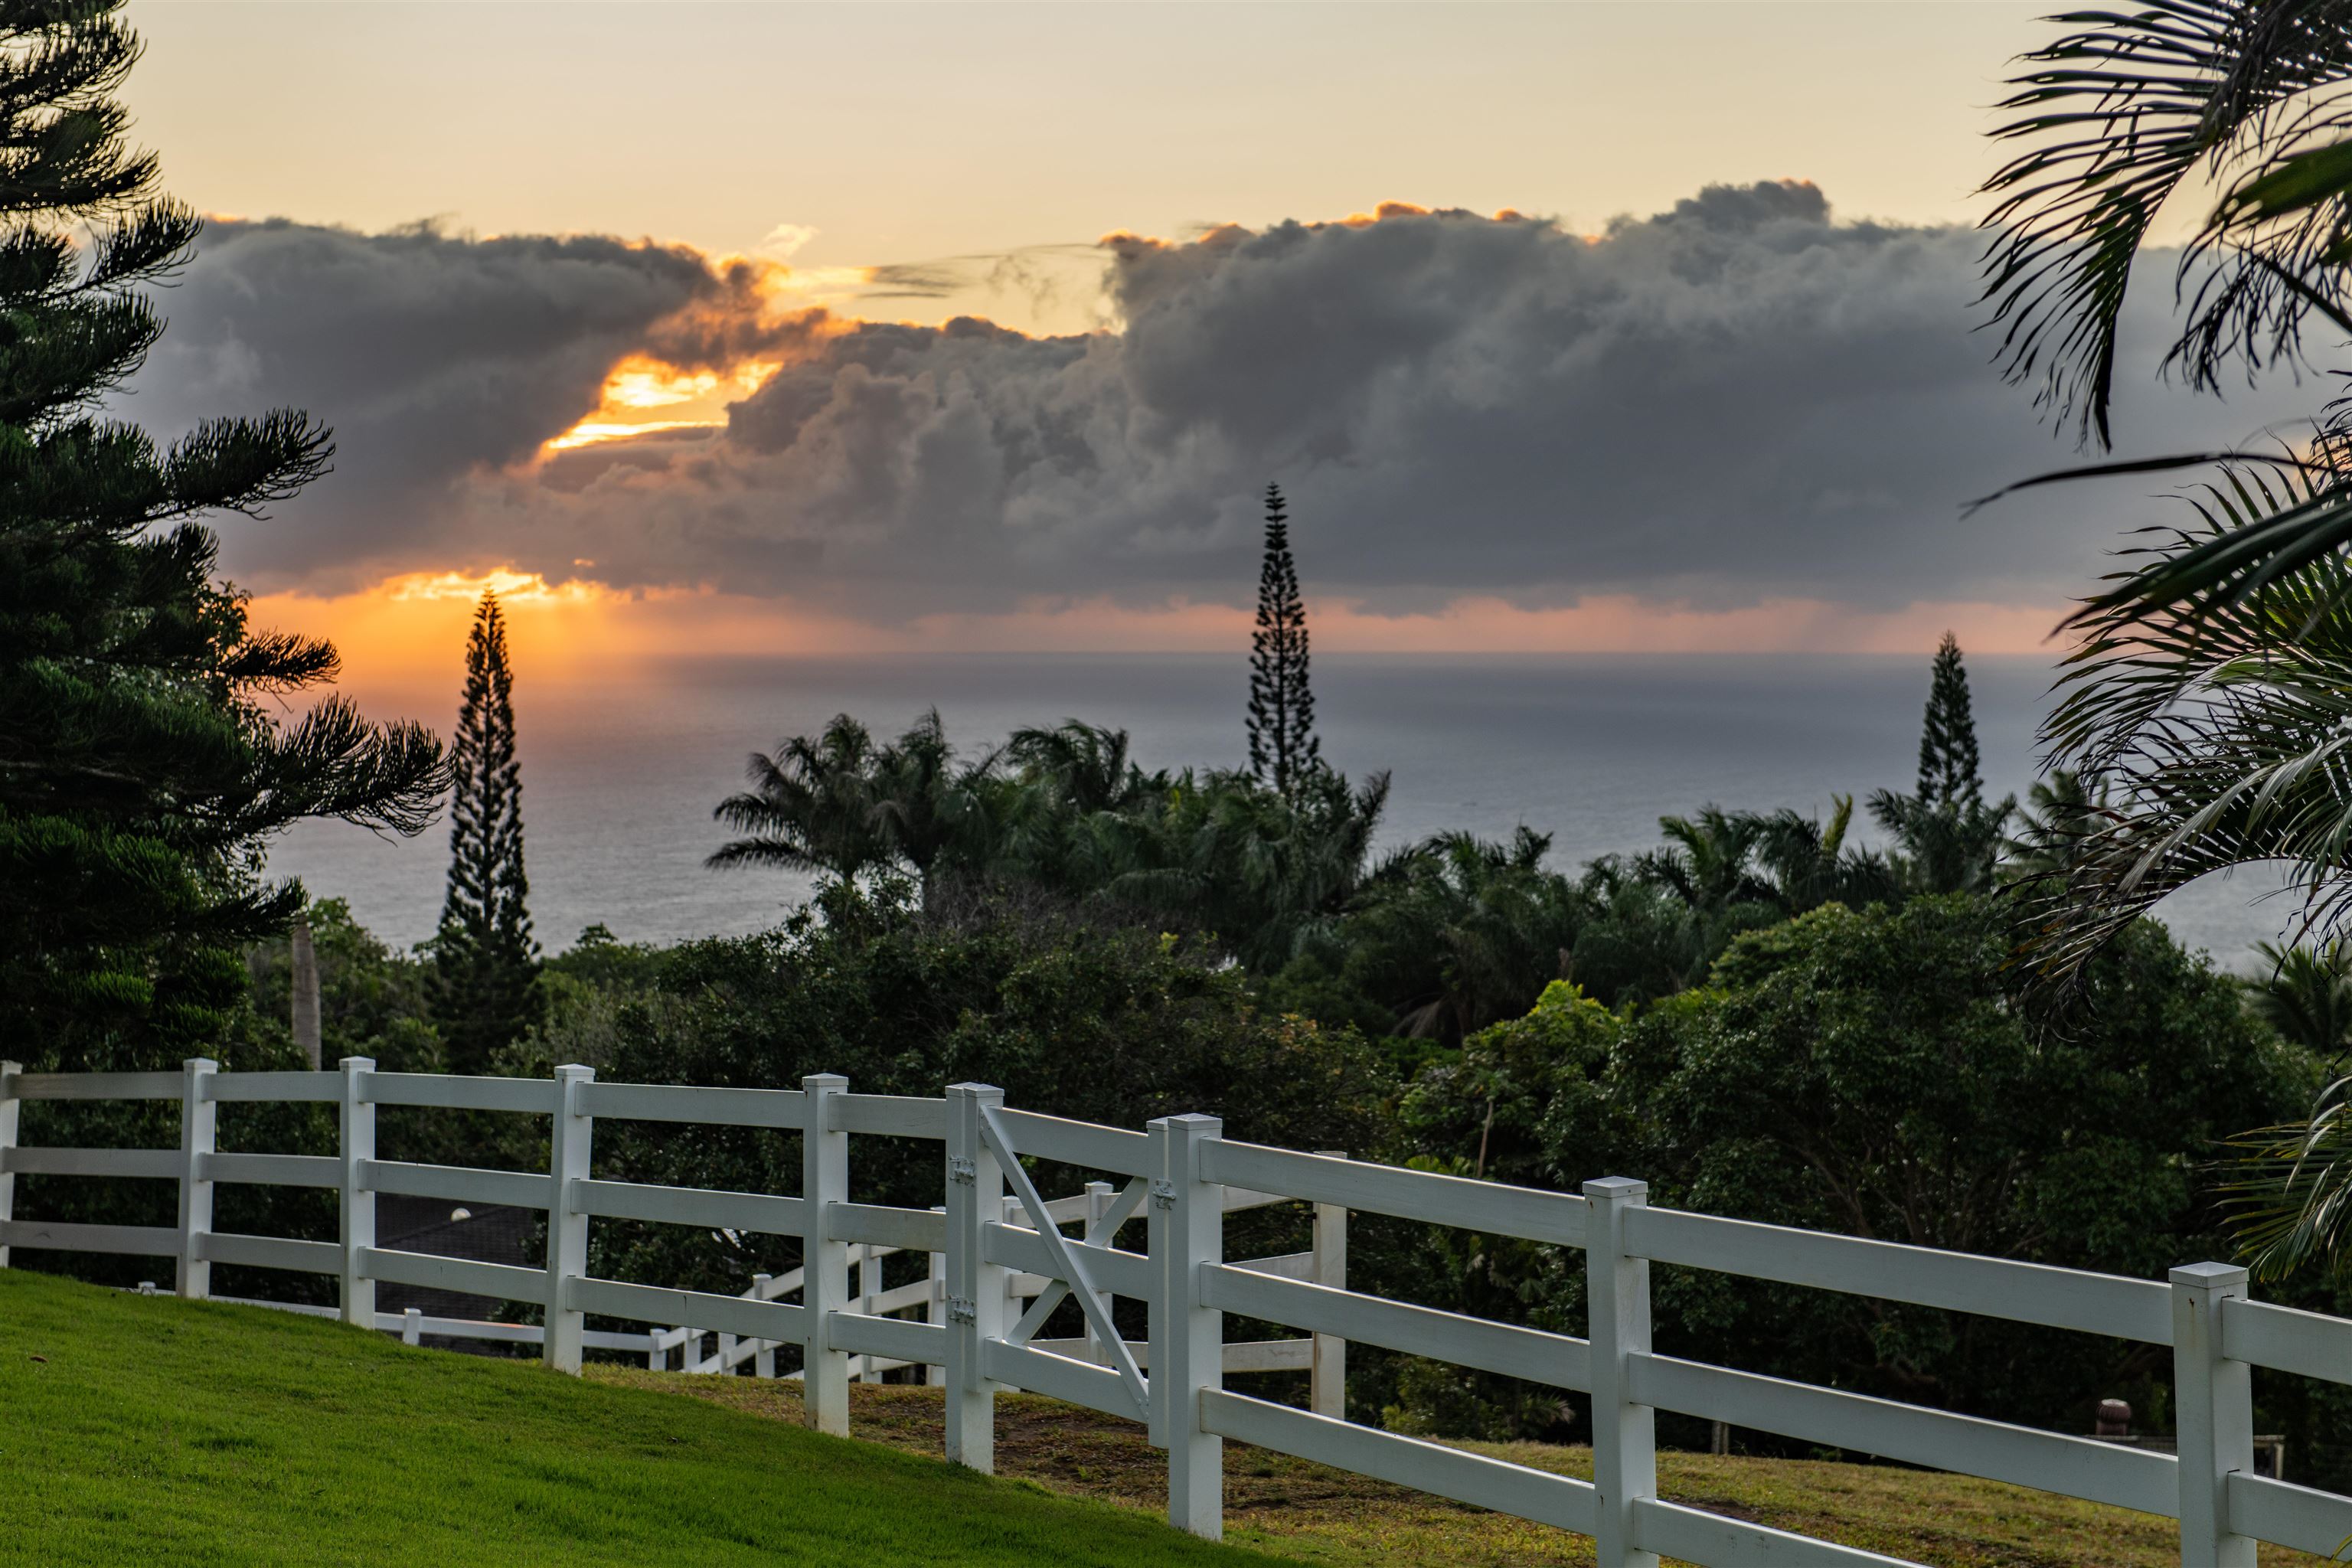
<point x="1192" y="1122"/>
<point x="357" y="1064"/>
<point x="824" y="1083"/>
<point x="201" y="1064"/>
<point x="1616" y="1190"/>
<point x="967" y="1091"/>
<point x="574" y="1069"/>
<point x="2209" y="1276"/>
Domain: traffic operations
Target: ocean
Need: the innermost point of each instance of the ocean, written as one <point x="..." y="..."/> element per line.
<point x="619" y="777"/>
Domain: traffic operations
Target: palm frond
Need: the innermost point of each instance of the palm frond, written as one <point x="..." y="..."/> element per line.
<point x="2205" y="736"/>
<point x="2291" y="1200"/>
<point x="2114" y="117"/>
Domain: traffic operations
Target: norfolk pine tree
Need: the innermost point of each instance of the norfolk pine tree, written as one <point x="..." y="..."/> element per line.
<point x="142" y="763"/>
<point x="1282" y="748"/>
<point x="1950" y="837"/>
<point x="485" y="960"/>
<point x="1949" y="778"/>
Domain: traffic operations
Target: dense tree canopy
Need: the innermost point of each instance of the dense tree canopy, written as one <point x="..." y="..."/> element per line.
<point x="1112" y="1026"/>
<point x="1865" y="1072"/>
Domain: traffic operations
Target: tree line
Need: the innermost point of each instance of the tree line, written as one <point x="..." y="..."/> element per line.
<point x="1276" y="864"/>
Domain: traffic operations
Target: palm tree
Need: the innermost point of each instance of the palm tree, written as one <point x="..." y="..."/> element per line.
<point x="2060" y="813"/>
<point x="1087" y="764"/>
<point x="929" y="811"/>
<point x="2292" y="1197"/>
<point x="1807" y="863"/>
<point x="839" y="805"/>
<point x="1949" y="848"/>
<point x="2293" y="1194"/>
<point x="2306" y="994"/>
<point x="1638" y="941"/>
<point x="2216" y="737"/>
<point x="1707" y="861"/>
<point x="810" y="806"/>
<point x="2117" y="117"/>
<point x="1457" y="933"/>
<point x="1746" y="868"/>
<point x="2213" y="736"/>
<point x="2213" y="689"/>
<point x="1225" y="854"/>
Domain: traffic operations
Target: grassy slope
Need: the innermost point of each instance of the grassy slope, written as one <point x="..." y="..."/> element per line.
<point x="1308" y="1513"/>
<point x="160" y="1431"/>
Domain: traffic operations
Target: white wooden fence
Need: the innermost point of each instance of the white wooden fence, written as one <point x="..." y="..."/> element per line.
<point x="1177" y="1175"/>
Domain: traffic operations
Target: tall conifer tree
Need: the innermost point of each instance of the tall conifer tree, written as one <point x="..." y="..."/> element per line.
<point x="1950" y="838"/>
<point x="1948" y="762"/>
<point x="1283" y="747"/>
<point x="141" y="764"/>
<point x="486" y="960"/>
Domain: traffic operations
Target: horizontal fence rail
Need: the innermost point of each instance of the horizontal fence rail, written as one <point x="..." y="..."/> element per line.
<point x="982" y="1275"/>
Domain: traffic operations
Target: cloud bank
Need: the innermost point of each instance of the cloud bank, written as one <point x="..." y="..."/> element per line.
<point x="1732" y="403"/>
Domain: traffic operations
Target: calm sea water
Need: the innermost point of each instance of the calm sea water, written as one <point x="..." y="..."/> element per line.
<point x="618" y="781"/>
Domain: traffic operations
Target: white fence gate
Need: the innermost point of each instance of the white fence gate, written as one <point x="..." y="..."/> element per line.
<point x="1181" y="1175"/>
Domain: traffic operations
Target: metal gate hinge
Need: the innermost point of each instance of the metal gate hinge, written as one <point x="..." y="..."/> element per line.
<point x="961" y="1310"/>
<point x="961" y="1170"/>
<point x="1163" y="1195"/>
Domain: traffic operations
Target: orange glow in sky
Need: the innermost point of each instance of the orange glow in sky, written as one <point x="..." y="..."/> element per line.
<point x="512" y="587"/>
<point x="641" y="383"/>
<point x="413" y="629"/>
<point x="593" y="429"/>
<point x="639" y="386"/>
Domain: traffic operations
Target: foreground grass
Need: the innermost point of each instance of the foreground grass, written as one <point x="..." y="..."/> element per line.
<point x="154" y="1430"/>
<point x="1308" y="1513"/>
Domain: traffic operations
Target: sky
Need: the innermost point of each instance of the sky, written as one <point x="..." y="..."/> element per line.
<point x="776" y="328"/>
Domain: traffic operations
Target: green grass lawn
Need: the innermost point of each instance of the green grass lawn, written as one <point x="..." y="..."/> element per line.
<point x="153" y="1430"/>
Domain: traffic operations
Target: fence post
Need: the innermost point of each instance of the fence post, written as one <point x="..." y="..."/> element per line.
<point x="199" y="1117"/>
<point x="825" y="1260"/>
<point x="935" y="1309"/>
<point x="412" y="1326"/>
<point x="1624" y="1435"/>
<point x="1327" y="1383"/>
<point x="355" y="1145"/>
<point x="9" y="1104"/>
<point x="1188" y="1340"/>
<point x="975" y="1195"/>
<point x="869" y="1285"/>
<point x="1098" y="1196"/>
<point x="763" y="1352"/>
<point x="567" y="1229"/>
<point x="2214" y="1401"/>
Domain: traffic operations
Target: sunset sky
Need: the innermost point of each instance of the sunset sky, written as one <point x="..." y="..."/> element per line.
<point x="842" y="329"/>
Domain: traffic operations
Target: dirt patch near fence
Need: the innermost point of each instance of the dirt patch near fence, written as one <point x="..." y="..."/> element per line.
<point x="1315" y="1514"/>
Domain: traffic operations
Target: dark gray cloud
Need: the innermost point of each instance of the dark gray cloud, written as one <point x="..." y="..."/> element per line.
<point x="1733" y="400"/>
<point x="437" y="358"/>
